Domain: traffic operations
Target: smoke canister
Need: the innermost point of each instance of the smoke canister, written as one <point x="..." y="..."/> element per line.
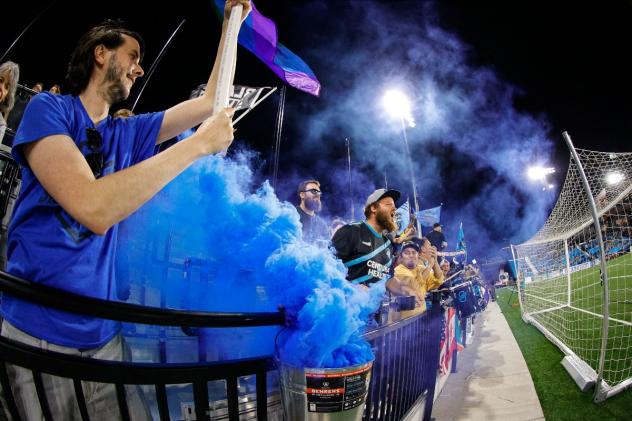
<point x="324" y="394"/>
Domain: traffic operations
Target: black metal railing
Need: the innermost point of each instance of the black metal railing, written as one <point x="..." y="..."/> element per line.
<point x="404" y="371"/>
<point x="120" y="374"/>
<point x="406" y="364"/>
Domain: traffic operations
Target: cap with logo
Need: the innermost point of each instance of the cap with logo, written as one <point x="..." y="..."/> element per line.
<point x="379" y="194"/>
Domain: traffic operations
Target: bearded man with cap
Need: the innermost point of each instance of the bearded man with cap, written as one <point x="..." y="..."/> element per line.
<point x="363" y="246"/>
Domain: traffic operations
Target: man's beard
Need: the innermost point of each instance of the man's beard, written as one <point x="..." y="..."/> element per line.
<point x="115" y="89"/>
<point x="410" y="264"/>
<point x="385" y="220"/>
<point x="313" y="205"/>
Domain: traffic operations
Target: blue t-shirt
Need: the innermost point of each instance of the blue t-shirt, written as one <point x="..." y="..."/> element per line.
<point x="46" y="244"/>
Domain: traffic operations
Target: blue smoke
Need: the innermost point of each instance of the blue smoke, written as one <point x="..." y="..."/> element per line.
<point x="458" y="106"/>
<point x="211" y="241"/>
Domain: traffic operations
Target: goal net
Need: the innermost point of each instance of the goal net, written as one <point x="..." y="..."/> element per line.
<point x="561" y="285"/>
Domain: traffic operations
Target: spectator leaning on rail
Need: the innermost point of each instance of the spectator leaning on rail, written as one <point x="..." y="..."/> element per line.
<point x="417" y="273"/>
<point x="363" y="246"/>
<point x="9" y="75"/>
<point x="314" y="228"/>
<point x="83" y="173"/>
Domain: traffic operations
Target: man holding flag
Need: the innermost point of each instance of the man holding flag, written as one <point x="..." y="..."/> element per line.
<point x="83" y="172"/>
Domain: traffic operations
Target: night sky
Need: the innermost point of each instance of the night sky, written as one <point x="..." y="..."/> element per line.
<point x="493" y="85"/>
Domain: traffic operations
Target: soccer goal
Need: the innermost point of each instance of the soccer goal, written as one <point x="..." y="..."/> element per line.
<point x="575" y="273"/>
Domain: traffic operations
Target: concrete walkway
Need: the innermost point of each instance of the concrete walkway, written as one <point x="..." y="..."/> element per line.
<point x="493" y="381"/>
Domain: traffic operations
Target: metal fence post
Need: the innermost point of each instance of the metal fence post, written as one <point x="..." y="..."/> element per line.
<point x="598" y="396"/>
<point x="433" y="356"/>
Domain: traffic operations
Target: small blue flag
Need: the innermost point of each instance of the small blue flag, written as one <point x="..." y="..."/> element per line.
<point x="402" y="217"/>
<point x="429" y="217"/>
<point x="460" y="239"/>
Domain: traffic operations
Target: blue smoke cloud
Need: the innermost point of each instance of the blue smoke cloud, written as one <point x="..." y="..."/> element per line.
<point x="458" y="106"/>
<point x="212" y="241"/>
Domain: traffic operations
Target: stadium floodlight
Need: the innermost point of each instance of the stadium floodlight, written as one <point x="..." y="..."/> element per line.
<point x="473" y="261"/>
<point x="614" y="177"/>
<point x="398" y="105"/>
<point x="551" y="186"/>
<point x="538" y="173"/>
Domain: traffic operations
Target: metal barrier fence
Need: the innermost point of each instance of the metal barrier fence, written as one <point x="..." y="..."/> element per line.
<point x="404" y="372"/>
<point x="406" y="364"/>
<point x="120" y="374"/>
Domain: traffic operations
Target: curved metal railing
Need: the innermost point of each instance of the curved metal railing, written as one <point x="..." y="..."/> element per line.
<point x="119" y="374"/>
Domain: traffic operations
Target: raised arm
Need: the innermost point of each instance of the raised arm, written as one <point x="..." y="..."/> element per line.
<point x="100" y="203"/>
<point x="192" y="112"/>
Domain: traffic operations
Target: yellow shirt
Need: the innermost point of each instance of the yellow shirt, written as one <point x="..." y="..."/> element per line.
<point x="414" y="279"/>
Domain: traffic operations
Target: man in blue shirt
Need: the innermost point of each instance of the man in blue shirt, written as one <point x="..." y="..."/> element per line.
<point x="83" y="172"/>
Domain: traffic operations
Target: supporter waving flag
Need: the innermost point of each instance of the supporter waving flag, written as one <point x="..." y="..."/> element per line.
<point x="258" y="34"/>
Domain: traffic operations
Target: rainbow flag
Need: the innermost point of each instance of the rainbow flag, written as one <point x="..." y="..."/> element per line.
<point x="258" y="35"/>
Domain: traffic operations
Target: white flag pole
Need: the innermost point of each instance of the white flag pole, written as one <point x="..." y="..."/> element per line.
<point x="227" y="62"/>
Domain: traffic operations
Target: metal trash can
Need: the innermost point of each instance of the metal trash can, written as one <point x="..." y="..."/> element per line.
<point x="324" y="394"/>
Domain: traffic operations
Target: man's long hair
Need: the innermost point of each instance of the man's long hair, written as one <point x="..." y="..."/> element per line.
<point x="110" y="34"/>
<point x="11" y="71"/>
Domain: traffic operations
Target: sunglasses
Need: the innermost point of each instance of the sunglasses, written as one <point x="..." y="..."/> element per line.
<point x="315" y="192"/>
<point x="95" y="157"/>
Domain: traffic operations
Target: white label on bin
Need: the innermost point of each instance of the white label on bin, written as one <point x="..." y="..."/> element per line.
<point x="335" y="392"/>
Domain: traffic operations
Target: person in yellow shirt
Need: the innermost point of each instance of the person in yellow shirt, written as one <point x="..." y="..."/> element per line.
<point x="417" y="273"/>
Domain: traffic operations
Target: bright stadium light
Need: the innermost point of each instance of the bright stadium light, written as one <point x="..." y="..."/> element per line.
<point x="398" y="105"/>
<point x="551" y="186"/>
<point x="614" y="178"/>
<point x="538" y="173"/>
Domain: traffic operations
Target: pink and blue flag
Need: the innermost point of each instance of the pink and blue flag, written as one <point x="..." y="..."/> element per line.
<point x="258" y="34"/>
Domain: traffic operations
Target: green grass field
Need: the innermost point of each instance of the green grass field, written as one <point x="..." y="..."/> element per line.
<point x="559" y="396"/>
<point x="577" y="327"/>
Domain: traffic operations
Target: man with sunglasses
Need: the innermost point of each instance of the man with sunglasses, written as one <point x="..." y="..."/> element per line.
<point x="314" y="228"/>
<point x="83" y="172"/>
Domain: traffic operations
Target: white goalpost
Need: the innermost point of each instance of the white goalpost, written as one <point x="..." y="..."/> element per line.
<point x="575" y="273"/>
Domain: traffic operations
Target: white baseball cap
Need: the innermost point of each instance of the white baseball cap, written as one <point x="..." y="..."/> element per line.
<point x="381" y="193"/>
